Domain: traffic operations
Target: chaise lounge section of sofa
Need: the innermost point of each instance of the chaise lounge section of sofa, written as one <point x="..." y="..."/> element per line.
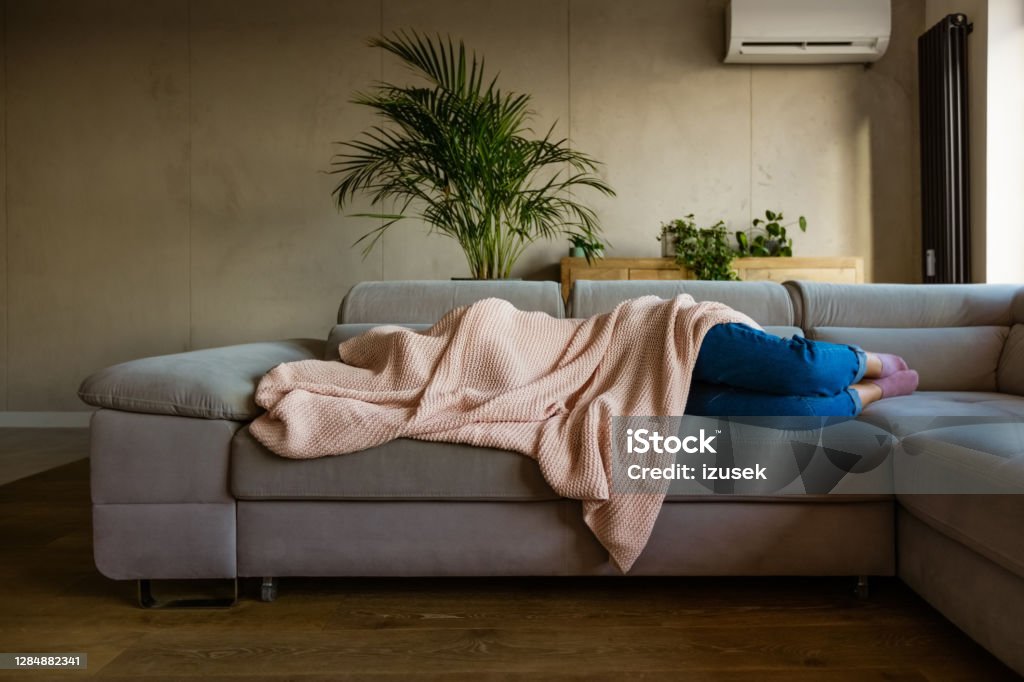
<point x="182" y="490"/>
<point x="964" y="553"/>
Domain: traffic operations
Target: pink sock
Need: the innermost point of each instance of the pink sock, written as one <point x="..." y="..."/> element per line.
<point x="899" y="383"/>
<point x="891" y="364"/>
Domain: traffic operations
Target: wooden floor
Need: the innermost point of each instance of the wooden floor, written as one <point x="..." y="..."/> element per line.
<point x="24" y="452"/>
<point x="456" y="629"/>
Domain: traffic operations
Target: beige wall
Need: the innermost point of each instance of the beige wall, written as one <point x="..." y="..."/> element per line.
<point x="162" y="159"/>
<point x="682" y="132"/>
<point x="4" y="308"/>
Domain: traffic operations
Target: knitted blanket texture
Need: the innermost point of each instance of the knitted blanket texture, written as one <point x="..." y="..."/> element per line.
<point x="493" y="376"/>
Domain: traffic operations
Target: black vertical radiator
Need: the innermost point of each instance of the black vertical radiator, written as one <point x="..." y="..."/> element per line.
<point x="945" y="174"/>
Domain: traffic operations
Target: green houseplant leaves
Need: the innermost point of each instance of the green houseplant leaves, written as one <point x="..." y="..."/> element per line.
<point x="592" y="247"/>
<point x="704" y="251"/>
<point x="458" y="153"/>
<point x="768" y="237"/>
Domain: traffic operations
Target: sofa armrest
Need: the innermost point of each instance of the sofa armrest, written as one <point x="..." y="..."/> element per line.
<point x="217" y="383"/>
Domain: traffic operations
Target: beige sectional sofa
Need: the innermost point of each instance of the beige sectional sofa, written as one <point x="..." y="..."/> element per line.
<point x="182" y="490"/>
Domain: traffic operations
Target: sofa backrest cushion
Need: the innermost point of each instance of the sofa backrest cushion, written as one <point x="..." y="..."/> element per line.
<point x="1010" y="375"/>
<point x="766" y="302"/>
<point x="820" y="304"/>
<point x="425" y="302"/>
<point x="344" y="332"/>
<point x="946" y="358"/>
<point x="952" y="334"/>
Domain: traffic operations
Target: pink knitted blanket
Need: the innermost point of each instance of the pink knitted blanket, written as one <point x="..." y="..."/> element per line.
<point x="490" y="375"/>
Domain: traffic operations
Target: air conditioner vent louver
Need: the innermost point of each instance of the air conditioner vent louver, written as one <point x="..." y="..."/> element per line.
<point x="808" y="43"/>
<point x="807" y="31"/>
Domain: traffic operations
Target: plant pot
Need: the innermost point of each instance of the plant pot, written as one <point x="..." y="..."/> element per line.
<point x="668" y="246"/>
<point x="577" y="252"/>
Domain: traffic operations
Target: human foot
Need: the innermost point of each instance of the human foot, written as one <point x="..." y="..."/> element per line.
<point x="891" y="364"/>
<point x="903" y="382"/>
<point x="881" y="365"/>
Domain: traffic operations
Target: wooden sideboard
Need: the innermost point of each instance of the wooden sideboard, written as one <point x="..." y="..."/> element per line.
<point x="844" y="269"/>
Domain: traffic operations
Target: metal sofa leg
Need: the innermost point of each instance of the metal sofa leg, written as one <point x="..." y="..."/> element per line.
<point x="148" y="601"/>
<point x="863" y="590"/>
<point x="268" y="589"/>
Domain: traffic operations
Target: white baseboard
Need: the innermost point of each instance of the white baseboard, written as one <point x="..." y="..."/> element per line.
<point x="45" y="420"/>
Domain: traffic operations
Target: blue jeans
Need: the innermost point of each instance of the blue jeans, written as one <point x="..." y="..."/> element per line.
<point x="742" y="371"/>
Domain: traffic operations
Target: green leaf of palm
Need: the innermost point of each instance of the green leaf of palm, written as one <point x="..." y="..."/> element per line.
<point x="456" y="155"/>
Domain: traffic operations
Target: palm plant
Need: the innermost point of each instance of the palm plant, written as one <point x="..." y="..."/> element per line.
<point x="455" y="152"/>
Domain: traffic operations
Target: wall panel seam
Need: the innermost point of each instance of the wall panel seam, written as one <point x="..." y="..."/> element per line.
<point x="7" y="234"/>
<point x="380" y="64"/>
<point x="568" y="68"/>
<point x="750" y="149"/>
<point x="568" y="82"/>
<point x="188" y="170"/>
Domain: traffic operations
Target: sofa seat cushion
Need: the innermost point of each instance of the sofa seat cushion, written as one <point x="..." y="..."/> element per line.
<point x="410" y="470"/>
<point x="802" y="458"/>
<point x="403" y="469"/>
<point x="981" y="458"/>
<point x="926" y="410"/>
<point x="984" y="462"/>
<point x="949" y="404"/>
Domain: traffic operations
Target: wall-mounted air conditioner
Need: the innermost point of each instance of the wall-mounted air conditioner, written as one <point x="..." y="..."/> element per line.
<point x="806" y="31"/>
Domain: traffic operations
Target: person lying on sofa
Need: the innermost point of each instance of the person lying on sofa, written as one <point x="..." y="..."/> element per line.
<point x="744" y="371"/>
<point x="737" y="370"/>
<point x="490" y="375"/>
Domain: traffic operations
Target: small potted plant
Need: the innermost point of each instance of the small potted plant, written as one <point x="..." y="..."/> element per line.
<point x="768" y="237"/>
<point x="668" y="240"/>
<point x="586" y="246"/>
<point x="705" y="252"/>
